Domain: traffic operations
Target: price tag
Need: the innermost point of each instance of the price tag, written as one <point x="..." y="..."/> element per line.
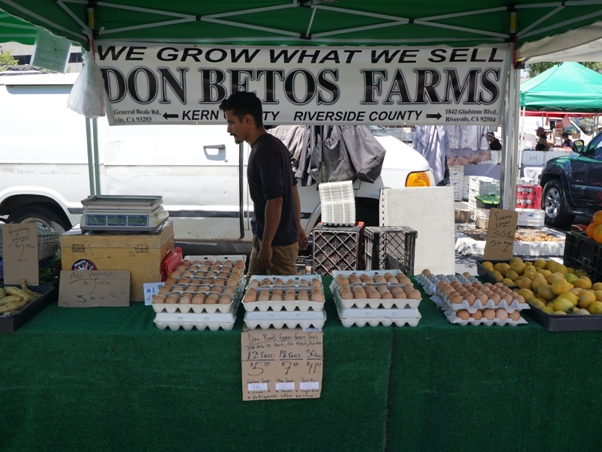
<point x="92" y="288"/>
<point x="20" y="250"/>
<point x="499" y="244"/>
<point x="281" y="364"/>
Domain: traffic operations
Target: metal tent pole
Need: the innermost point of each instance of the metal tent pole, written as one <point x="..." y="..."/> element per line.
<point x="509" y="173"/>
<point x="90" y="158"/>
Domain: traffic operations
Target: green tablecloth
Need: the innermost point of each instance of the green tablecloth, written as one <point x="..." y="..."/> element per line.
<point x="108" y="379"/>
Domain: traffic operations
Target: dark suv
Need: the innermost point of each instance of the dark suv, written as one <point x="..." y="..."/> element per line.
<point x="572" y="185"/>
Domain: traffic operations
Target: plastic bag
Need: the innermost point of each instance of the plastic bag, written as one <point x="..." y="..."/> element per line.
<point x="88" y="96"/>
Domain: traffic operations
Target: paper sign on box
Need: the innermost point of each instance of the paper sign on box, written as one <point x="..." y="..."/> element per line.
<point x="281" y="364"/>
<point x="92" y="288"/>
<point x="499" y="244"/>
<point x="20" y="250"/>
<point x="151" y="290"/>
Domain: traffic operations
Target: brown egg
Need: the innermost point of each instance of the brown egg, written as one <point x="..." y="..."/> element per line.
<point x="501" y="314"/>
<point x="303" y="295"/>
<point x="316" y="282"/>
<point x="211" y="274"/>
<point x="228" y="291"/>
<point x="228" y="263"/>
<point x="415" y="295"/>
<point x="239" y="264"/>
<point x="519" y="298"/>
<point x="264" y="295"/>
<point x="353" y="279"/>
<point x="408" y="288"/>
<point x="208" y="281"/>
<point x="477" y="285"/>
<point x="508" y="299"/>
<point x="186" y="262"/>
<point x="178" y="288"/>
<point x="166" y="288"/>
<point x="231" y="283"/>
<point x="463" y="314"/>
<point x="276" y="297"/>
<point x="360" y="294"/>
<point x="266" y="282"/>
<point x="290" y="295"/>
<point x="489" y="314"/>
<point x="366" y="278"/>
<point x="186" y="298"/>
<point x="182" y="268"/>
<point x="382" y="289"/>
<point x="515" y="316"/>
<point x="395" y="290"/>
<point x="477" y="315"/>
<point x="171" y="280"/>
<point x="196" y="262"/>
<point x="495" y="298"/>
<point x="254" y="283"/>
<point x="341" y="279"/>
<point x="316" y="296"/>
<point x="250" y="296"/>
<point x="399" y="294"/>
<point x="386" y="295"/>
<point x="482" y="298"/>
<point x="455" y="298"/>
<point x="217" y="289"/>
<point x="187" y="273"/>
<point x="176" y="274"/>
<point x="172" y="299"/>
<point x="467" y="275"/>
<point x="212" y="298"/>
<point x="290" y="282"/>
<point x="198" y="298"/>
<point x="373" y="294"/>
<point x="470" y="298"/>
<point x="224" y="275"/>
<point x="346" y="294"/>
<point x="405" y="280"/>
<point x="379" y="279"/>
<point x="225" y="299"/>
<point x="219" y="281"/>
<point x="217" y="262"/>
<point x="159" y="299"/>
<point x="426" y="272"/>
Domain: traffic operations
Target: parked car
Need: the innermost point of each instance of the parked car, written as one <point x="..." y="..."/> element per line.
<point x="44" y="167"/>
<point x="572" y="185"/>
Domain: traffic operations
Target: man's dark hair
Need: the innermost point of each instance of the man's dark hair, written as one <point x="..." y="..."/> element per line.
<point x="244" y="103"/>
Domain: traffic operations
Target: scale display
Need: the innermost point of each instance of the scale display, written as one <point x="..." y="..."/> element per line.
<point x="123" y="213"/>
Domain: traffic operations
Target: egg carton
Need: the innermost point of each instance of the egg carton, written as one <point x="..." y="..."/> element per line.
<point x="281" y="319"/>
<point x="363" y="303"/>
<point x="212" y="258"/>
<point x="201" y="321"/>
<point x="241" y="282"/>
<point x="371" y="273"/>
<point x="285" y="278"/>
<point x="429" y="284"/>
<point x="184" y="308"/>
<point x="375" y="317"/>
<point x="478" y="305"/>
<point x="453" y="318"/>
<point x="285" y="305"/>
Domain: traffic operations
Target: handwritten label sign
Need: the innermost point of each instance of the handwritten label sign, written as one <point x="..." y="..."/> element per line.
<point x="20" y="249"/>
<point x="92" y="288"/>
<point x="281" y="364"/>
<point x="151" y="290"/>
<point x="499" y="244"/>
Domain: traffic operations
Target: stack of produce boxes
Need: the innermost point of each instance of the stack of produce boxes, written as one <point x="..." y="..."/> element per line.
<point x="201" y="293"/>
<point x="375" y="297"/>
<point x="464" y="300"/>
<point x="279" y="301"/>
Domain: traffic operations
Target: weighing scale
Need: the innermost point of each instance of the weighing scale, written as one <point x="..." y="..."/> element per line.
<point x="123" y="213"/>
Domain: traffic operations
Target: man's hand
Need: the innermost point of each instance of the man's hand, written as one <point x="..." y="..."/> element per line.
<point x="303" y="242"/>
<point x="265" y="256"/>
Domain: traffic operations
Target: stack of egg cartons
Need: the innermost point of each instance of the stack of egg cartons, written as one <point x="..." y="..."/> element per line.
<point x="481" y="186"/>
<point x="203" y="292"/>
<point x="465" y="301"/>
<point x="279" y="301"/>
<point x="375" y="297"/>
<point x="456" y="179"/>
<point x="337" y="203"/>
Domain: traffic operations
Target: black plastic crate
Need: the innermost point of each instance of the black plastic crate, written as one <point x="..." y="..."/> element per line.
<point x="390" y="247"/>
<point x="11" y="323"/>
<point x="336" y="248"/>
<point x="571" y="322"/>
<point x="582" y="252"/>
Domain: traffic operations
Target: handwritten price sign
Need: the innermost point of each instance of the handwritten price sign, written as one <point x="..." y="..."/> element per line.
<point x="500" y="235"/>
<point x="281" y="364"/>
<point x="20" y="249"/>
<point x="92" y="288"/>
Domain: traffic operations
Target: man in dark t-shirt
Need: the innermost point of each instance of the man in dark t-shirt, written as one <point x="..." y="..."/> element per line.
<point x="277" y="231"/>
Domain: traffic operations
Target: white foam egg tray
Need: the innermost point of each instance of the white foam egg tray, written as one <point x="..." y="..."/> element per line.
<point x="200" y="321"/>
<point x="364" y="303"/>
<point x="173" y="308"/>
<point x="208" y="281"/>
<point x="281" y="319"/>
<point x="478" y="305"/>
<point x="375" y="317"/>
<point x="453" y="318"/>
<point x="430" y="284"/>
<point x="212" y="258"/>
<point x="370" y="273"/>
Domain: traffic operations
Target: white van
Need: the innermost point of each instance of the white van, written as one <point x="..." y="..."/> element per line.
<point x="44" y="166"/>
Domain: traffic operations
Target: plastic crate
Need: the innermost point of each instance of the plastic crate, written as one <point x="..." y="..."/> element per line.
<point x="337" y="248"/>
<point x="390" y="247"/>
<point x="582" y="252"/>
<point x="48" y="243"/>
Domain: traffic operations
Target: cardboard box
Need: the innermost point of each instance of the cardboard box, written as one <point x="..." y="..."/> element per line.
<point x="281" y="364"/>
<point x="462" y="215"/>
<point x="141" y="254"/>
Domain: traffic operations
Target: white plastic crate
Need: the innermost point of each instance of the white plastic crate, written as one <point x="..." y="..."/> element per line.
<point x="530" y="217"/>
<point x="456" y="180"/>
<point x="337" y="203"/>
<point x="481" y="186"/>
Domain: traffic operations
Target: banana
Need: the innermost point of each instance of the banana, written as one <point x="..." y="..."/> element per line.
<point x="10" y="299"/>
<point x="2" y="292"/>
<point x="14" y="306"/>
<point x="19" y="292"/>
<point x="31" y="293"/>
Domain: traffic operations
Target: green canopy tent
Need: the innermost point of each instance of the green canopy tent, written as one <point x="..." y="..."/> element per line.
<point x="565" y="87"/>
<point x="327" y="22"/>
<point x="13" y="29"/>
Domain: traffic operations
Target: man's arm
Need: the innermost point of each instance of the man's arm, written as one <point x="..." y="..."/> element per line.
<point x="303" y="242"/>
<point x="273" y="213"/>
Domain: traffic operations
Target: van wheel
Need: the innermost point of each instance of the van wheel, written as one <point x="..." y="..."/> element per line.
<point x="45" y="217"/>
<point x="554" y="205"/>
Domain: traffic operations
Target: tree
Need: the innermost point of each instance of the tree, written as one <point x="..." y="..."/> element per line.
<point x="6" y="59"/>
<point x="537" y="68"/>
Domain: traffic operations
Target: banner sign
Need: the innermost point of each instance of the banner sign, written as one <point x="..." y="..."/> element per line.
<point x="184" y="84"/>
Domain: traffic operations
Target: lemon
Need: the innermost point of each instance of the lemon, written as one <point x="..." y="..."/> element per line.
<point x="537" y="303"/>
<point x="586" y="298"/>
<point x="570" y="277"/>
<point x="583" y="282"/>
<point x="564" y="305"/>
<point x="548" y="310"/>
<point x="595" y="307"/>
